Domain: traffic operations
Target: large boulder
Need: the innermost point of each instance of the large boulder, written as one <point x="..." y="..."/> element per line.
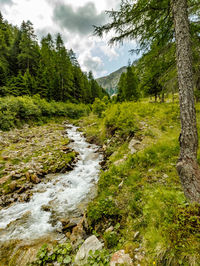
<point x="91" y="243"/>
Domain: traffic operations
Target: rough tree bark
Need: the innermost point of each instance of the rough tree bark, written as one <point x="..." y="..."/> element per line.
<point x="187" y="165"/>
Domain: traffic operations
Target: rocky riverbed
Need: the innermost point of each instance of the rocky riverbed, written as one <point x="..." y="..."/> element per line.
<point x="27" y="155"/>
<point x="54" y="210"/>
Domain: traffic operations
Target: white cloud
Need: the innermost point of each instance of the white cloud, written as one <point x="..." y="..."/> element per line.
<point x="93" y="53"/>
<point x="89" y="62"/>
<point x="110" y="52"/>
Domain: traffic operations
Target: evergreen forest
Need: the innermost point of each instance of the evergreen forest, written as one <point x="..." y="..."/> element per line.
<point x="47" y="69"/>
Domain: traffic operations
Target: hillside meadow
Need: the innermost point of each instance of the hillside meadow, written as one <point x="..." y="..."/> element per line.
<point x="139" y="191"/>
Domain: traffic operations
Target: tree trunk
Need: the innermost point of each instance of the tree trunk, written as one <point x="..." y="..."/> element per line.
<point x="187" y="166"/>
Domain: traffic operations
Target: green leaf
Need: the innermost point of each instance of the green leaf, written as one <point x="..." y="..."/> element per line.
<point x="53" y="257"/>
<point x="60" y="259"/>
<point x="67" y="259"/>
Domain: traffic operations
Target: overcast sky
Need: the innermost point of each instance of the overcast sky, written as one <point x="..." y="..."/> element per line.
<point x="74" y="19"/>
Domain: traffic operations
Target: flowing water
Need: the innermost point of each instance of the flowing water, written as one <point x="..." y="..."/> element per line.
<point x="62" y="194"/>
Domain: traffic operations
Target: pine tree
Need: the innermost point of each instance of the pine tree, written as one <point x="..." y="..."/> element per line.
<point x="121" y="88"/>
<point x="29" y="50"/>
<point x="4" y="43"/>
<point x="46" y="71"/>
<point x="131" y="88"/>
<point x="17" y="85"/>
<point x="64" y="71"/>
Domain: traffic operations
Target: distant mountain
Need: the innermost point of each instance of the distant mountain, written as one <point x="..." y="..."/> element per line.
<point x="109" y="83"/>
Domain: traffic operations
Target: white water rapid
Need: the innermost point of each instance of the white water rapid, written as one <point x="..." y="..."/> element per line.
<point x="62" y="195"/>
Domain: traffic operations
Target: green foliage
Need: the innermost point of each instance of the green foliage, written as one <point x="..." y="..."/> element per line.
<point x="111" y="239"/>
<point x="98" y="107"/>
<point x="99" y="258"/>
<point x="49" y="69"/>
<point x="128" y="86"/>
<point x="61" y="253"/>
<point x="18" y="110"/>
<point x="119" y="119"/>
<point x="102" y="208"/>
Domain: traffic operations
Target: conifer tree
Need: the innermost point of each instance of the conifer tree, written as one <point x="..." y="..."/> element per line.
<point x="29" y="50"/>
<point x="121" y="88"/>
<point x="131" y="87"/>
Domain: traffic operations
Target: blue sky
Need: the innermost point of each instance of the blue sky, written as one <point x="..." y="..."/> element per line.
<point x="74" y="20"/>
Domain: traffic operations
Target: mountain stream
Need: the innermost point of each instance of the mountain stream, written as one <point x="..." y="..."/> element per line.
<point x="61" y="196"/>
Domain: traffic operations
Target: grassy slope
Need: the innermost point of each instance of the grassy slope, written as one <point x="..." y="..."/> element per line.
<point x="141" y="195"/>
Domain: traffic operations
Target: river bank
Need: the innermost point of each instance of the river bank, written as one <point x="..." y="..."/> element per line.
<point x="27" y="155"/>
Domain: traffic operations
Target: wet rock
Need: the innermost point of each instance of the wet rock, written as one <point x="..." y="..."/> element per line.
<point x="25" y="197"/>
<point x="66" y="149"/>
<point x="103" y="163"/>
<point x="79" y="231"/>
<point x="46" y="208"/>
<point x="69" y="226"/>
<point x="120" y="258"/>
<point x="91" y="243"/>
<point x="69" y="167"/>
<point x="64" y="221"/>
<point x="104" y="147"/>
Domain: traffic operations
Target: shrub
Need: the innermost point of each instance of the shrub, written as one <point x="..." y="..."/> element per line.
<point x="19" y="110"/>
<point x="98" y="107"/>
<point x="103" y="207"/>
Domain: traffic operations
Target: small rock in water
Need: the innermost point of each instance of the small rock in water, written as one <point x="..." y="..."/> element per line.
<point x="46" y="208"/>
<point x="66" y="149"/>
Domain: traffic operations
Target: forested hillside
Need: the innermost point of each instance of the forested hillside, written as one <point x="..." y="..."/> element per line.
<point x="47" y="68"/>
